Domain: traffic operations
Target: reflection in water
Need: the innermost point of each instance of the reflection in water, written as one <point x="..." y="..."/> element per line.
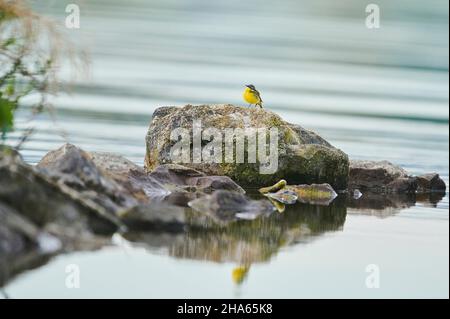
<point x="240" y="273"/>
<point x="241" y="242"/>
<point x="11" y="266"/>
<point x="377" y="94"/>
<point x="382" y="205"/>
<point x="244" y="242"/>
<point x="430" y="199"/>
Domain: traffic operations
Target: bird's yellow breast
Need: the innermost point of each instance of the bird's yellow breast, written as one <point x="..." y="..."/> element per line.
<point x="250" y="97"/>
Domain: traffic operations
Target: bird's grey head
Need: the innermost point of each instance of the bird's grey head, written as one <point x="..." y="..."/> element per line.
<point x="250" y="86"/>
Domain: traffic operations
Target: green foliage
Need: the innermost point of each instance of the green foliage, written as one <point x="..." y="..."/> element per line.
<point x="26" y="67"/>
<point x="6" y="116"/>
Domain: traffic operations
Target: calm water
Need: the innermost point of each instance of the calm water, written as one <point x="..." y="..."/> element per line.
<point x="375" y="93"/>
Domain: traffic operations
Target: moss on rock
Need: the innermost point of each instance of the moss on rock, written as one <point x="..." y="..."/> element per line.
<point x="303" y="156"/>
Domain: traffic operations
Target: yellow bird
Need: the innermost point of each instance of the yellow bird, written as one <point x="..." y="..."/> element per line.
<point x="252" y="96"/>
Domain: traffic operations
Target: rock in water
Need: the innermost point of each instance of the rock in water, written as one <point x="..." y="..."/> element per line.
<point x="274" y="188"/>
<point x="317" y="194"/>
<point x="284" y="196"/>
<point x="76" y="168"/>
<point x="42" y="200"/>
<point x="154" y="217"/>
<point x="17" y="233"/>
<point x="430" y="183"/>
<point x="181" y="177"/>
<point x="228" y="206"/>
<point x="380" y="177"/>
<point x="125" y="190"/>
<point x="300" y="156"/>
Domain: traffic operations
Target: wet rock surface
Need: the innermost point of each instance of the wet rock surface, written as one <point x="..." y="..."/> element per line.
<point x="227" y="206"/>
<point x="155" y="216"/>
<point x="430" y="183"/>
<point x="42" y="199"/>
<point x="76" y="200"/>
<point x="17" y="234"/>
<point x="284" y="196"/>
<point x="317" y="194"/>
<point x="386" y="178"/>
<point x="179" y="177"/>
<point x="303" y="156"/>
<point x="379" y="177"/>
<point x="71" y="166"/>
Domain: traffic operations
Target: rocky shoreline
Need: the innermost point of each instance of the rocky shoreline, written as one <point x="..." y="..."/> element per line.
<point x="76" y="200"/>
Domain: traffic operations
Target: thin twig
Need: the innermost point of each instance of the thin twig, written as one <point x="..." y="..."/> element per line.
<point x="25" y="136"/>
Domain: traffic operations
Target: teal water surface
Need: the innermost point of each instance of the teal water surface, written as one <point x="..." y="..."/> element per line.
<point x="379" y="94"/>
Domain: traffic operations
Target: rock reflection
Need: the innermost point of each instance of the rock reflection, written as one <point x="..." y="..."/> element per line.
<point x="241" y="242"/>
<point x="11" y="266"/>
<point x="382" y="205"/>
<point x="430" y="199"/>
<point x="245" y="242"/>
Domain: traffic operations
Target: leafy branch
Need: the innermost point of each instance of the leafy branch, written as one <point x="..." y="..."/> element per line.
<point x="30" y="51"/>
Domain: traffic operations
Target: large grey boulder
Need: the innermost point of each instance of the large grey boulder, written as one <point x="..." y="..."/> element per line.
<point x="302" y="156"/>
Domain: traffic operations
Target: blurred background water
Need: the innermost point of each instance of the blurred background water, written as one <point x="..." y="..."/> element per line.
<point x="374" y="93"/>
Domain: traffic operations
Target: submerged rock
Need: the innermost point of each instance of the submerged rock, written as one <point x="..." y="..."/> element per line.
<point x="317" y="194"/>
<point x="228" y="206"/>
<point x="301" y="155"/>
<point x="284" y="196"/>
<point x="274" y="188"/>
<point x="280" y="207"/>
